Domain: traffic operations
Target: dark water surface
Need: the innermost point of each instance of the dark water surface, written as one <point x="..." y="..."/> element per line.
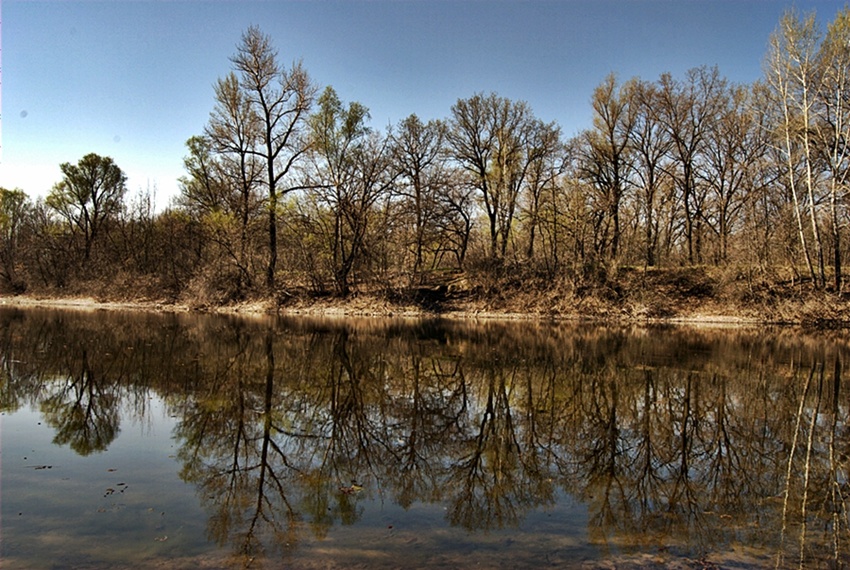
<point x="186" y="441"/>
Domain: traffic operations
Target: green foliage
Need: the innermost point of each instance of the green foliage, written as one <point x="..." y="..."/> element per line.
<point x="203" y="189"/>
<point x="350" y="172"/>
<point x="13" y="208"/>
<point x="90" y="195"/>
<point x="336" y="129"/>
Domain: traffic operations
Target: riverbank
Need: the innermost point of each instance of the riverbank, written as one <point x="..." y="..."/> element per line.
<point x="679" y="295"/>
<point x="367" y="306"/>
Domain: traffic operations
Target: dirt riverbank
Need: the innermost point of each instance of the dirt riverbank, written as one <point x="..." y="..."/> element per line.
<point x="682" y="296"/>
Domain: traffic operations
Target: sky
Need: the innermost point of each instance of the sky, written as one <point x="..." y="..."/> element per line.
<point x="133" y="79"/>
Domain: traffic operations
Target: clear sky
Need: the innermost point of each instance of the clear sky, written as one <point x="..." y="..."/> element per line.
<point x="133" y="79"/>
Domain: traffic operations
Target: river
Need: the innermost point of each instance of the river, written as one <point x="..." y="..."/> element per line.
<point x="200" y="441"/>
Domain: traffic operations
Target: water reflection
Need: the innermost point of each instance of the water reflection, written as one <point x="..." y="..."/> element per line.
<point x="689" y="444"/>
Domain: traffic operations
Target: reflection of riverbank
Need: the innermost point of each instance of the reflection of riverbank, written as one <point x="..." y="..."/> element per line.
<point x="631" y="441"/>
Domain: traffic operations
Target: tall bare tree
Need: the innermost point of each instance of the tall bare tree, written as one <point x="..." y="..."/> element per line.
<point x="281" y="99"/>
<point x="736" y="146"/>
<point x="548" y="161"/>
<point x="792" y="75"/>
<point x="687" y="110"/>
<point x="650" y="144"/>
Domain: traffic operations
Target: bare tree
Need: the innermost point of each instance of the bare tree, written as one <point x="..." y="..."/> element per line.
<point x="547" y="162"/>
<point x="281" y="100"/>
<point x="455" y="219"/>
<point x="833" y="126"/>
<point x="606" y="156"/>
<point x="417" y="151"/>
<point x="736" y="145"/>
<point x="650" y="143"/>
<point x="791" y="74"/>
<point x="687" y="109"/>
<point x="491" y="138"/>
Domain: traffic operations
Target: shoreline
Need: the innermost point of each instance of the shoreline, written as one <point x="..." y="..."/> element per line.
<point x="377" y="310"/>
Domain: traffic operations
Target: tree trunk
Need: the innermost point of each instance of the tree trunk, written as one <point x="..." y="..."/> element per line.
<point x="836" y="238"/>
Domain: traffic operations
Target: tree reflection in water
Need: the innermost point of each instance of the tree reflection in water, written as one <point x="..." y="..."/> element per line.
<point x="84" y="411"/>
<point x="688" y="441"/>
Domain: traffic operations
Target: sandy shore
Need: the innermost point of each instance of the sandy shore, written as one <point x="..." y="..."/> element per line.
<point x="89" y="304"/>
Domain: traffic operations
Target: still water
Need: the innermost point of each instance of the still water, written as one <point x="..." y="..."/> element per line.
<point x="192" y="441"/>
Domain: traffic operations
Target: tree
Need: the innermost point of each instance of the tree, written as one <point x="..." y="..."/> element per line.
<point x="687" y="110"/>
<point x="14" y="206"/>
<point x="234" y="134"/>
<point x="417" y="151"/>
<point x="792" y="75"/>
<point x="90" y="195"/>
<point x="281" y="99"/>
<point x="650" y="144"/>
<point x="606" y="161"/>
<point x="736" y="146"/>
<point x="491" y="139"/>
<point x="220" y="193"/>
<point x="547" y="162"/>
<point x="351" y="171"/>
<point x="833" y="128"/>
<point x="203" y="190"/>
<point x="456" y="213"/>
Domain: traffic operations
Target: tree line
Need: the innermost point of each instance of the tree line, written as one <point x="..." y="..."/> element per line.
<point x="289" y="188"/>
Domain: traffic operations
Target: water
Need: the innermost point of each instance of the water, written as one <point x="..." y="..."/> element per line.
<point x="185" y="441"/>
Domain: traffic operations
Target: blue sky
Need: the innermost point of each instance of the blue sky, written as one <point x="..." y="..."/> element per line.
<point x="133" y="79"/>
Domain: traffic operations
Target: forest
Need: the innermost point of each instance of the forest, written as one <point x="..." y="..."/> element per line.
<point x="685" y="193"/>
